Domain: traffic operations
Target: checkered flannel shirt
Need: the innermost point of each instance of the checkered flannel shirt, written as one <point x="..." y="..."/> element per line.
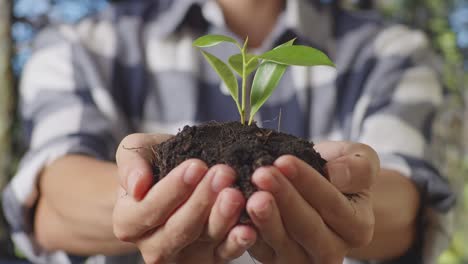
<point x="132" y="68"/>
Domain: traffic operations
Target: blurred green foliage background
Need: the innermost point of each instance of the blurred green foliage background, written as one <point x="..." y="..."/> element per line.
<point x="446" y="23"/>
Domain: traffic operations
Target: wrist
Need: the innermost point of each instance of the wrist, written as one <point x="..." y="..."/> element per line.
<point x="74" y="212"/>
<point x="396" y="204"/>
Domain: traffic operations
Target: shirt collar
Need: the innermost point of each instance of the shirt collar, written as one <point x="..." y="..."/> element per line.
<point x="311" y="21"/>
<point x="306" y="18"/>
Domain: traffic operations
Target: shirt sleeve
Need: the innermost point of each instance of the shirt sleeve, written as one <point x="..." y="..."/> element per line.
<point x="65" y="110"/>
<point x="395" y="114"/>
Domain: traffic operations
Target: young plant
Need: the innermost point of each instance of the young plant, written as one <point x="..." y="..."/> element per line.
<point x="270" y="67"/>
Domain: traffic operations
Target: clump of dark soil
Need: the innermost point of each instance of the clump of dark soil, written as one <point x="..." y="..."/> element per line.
<point x="244" y="148"/>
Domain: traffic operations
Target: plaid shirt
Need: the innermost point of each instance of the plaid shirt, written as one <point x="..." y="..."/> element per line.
<point x="133" y="69"/>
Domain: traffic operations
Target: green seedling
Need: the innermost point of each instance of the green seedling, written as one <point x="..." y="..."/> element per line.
<point x="270" y="67"/>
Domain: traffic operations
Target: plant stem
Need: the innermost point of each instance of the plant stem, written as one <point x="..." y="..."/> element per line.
<point x="244" y="93"/>
<point x="241" y="113"/>
<point x="239" y="108"/>
<point x="250" y="120"/>
<point x="242" y="117"/>
<point x="244" y="80"/>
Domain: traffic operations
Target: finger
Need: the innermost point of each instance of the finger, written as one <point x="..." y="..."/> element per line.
<point x="264" y="213"/>
<point x="332" y="206"/>
<point x="330" y="150"/>
<point x="188" y="222"/>
<point x="133" y="158"/>
<point x="224" y="215"/>
<point x="352" y="167"/>
<point x="134" y="218"/>
<point x="239" y="239"/>
<point x="303" y="223"/>
<point x="262" y="252"/>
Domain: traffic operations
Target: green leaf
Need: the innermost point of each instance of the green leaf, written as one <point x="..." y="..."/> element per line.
<point x="225" y="73"/>
<point x="265" y="82"/>
<point x="252" y="63"/>
<point x="236" y="63"/>
<point x="289" y="43"/>
<point x="297" y="55"/>
<point x="212" y="40"/>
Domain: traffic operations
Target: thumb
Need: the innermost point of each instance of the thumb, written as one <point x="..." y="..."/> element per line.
<point x="352" y="167"/>
<point x="134" y="161"/>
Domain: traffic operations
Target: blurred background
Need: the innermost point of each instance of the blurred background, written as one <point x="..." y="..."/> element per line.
<point x="445" y="22"/>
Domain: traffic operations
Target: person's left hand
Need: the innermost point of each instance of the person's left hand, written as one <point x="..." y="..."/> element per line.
<point x="302" y="217"/>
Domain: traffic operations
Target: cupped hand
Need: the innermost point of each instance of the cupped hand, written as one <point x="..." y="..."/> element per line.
<point x="189" y="216"/>
<point x="301" y="217"/>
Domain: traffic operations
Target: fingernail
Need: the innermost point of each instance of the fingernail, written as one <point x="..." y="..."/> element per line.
<point x="291" y="172"/>
<point x="228" y="207"/>
<point x="263" y="212"/>
<point x="275" y="185"/>
<point x="288" y="168"/>
<point x="340" y="175"/>
<point x="266" y="179"/>
<point x="218" y="182"/>
<point x="193" y="173"/>
<point x="244" y="242"/>
<point x="132" y="181"/>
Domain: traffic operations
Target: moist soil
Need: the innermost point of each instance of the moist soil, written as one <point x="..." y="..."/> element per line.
<point x="243" y="147"/>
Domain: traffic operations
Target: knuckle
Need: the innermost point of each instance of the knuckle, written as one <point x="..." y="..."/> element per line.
<point x="152" y="220"/>
<point x="363" y="233"/>
<point x="122" y="227"/>
<point x="118" y="227"/>
<point x="181" y="239"/>
<point x="122" y="234"/>
<point x="131" y="233"/>
<point x="208" y="238"/>
<point x="185" y="236"/>
<point x="202" y="206"/>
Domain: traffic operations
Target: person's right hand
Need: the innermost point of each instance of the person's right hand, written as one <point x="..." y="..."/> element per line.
<point x="189" y="216"/>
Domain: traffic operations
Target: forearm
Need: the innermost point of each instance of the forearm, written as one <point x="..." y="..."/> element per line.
<point x="396" y="202"/>
<point x="74" y="213"/>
